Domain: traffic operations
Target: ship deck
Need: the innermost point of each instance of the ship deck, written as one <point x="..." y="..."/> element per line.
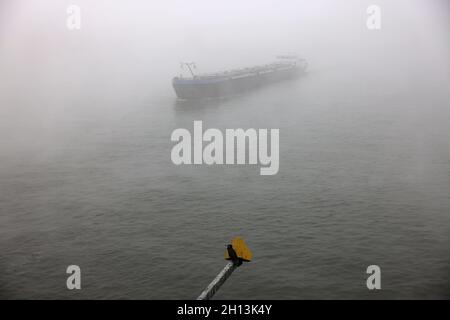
<point x="238" y="73"/>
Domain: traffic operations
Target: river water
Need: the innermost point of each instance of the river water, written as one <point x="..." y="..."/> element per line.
<point x="87" y="179"/>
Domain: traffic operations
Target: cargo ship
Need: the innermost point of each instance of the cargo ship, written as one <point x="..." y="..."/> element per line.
<point x="234" y="82"/>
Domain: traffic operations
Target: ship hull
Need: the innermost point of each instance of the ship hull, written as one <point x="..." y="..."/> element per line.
<point x="225" y="87"/>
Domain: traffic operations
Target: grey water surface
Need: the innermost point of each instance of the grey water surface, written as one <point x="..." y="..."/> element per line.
<point x="86" y="176"/>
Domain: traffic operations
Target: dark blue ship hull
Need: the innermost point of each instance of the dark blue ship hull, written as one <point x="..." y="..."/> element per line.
<point x="224" y="86"/>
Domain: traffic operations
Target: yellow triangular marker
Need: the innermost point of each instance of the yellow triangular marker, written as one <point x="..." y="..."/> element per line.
<point x="241" y="249"/>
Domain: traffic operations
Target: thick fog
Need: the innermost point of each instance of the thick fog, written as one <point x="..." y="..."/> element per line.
<point x="133" y="49"/>
<point x="85" y="173"/>
<point x="147" y="39"/>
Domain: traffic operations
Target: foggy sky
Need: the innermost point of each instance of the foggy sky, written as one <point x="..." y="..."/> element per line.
<point x="156" y="35"/>
<point x="140" y="44"/>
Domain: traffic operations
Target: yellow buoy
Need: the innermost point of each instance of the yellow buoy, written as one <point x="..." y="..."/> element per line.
<point x="241" y="249"/>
